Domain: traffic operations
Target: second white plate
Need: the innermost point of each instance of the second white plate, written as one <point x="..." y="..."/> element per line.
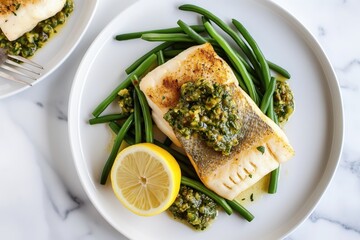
<point x="59" y="47"/>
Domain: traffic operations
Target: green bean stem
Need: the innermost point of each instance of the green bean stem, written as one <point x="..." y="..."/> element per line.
<point x="133" y="35"/>
<point x="201" y="187"/>
<point x="142" y="68"/>
<point x="117" y="142"/>
<point x="235" y="60"/>
<point x="235" y="205"/>
<point x="108" y="118"/>
<point x="145" y="111"/>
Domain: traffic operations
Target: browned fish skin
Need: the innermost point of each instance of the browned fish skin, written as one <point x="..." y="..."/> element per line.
<point x="253" y="131"/>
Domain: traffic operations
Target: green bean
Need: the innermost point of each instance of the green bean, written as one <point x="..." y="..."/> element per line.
<point x="117" y="142"/>
<point x="142" y="68"/>
<point x="200" y="187"/>
<point x="136" y="64"/>
<point x="266" y="100"/>
<point x="160" y="57"/>
<point x="239" y="66"/>
<point x="108" y="118"/>
<point x="133" y="35"/>
<point x="191" y="33"/>
<point x="274" y="179"/>
<point x="274" y="176"/>
<point x="116" y="128"/>
<point x="226" y="28"/>
<point x="170" y="37"/>
<point x="279" y="69"/>
<point x="235" y="205"/>
<point x="265" y="71"/>
<point x="188" y="171"/>
<point x="172" y="52"/>
<point x="137" y="118"/>
<point x="240" y="81"/>
<point x="145" y="111"/>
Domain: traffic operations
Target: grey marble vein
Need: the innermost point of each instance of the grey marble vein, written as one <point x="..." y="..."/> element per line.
<point x="315" y="216"/>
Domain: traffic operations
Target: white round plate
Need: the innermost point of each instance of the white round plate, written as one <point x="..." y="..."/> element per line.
<point x="59" y="47"/>
<point x="315" y="129"/>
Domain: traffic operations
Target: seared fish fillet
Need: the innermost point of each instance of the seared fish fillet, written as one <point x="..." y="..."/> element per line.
<point x="20" y="16"/>
<point x="225" y="175"/>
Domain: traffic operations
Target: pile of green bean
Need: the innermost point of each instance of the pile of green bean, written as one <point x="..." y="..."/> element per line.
<point x="252" y="69"/>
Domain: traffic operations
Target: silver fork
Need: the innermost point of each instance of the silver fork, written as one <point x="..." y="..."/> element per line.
<point x="15" y="68"/>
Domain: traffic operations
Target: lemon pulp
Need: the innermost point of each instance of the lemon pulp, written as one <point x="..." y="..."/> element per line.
<point x="145" y="178"/>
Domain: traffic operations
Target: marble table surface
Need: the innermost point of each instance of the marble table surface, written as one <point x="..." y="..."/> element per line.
<point x="41" y="195"/>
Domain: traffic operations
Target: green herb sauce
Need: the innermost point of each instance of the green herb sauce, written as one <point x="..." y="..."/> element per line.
<point x="283" y="101"/>
<point x="31" y="41"/>
<point x="126" y="101"/>
<point x="194" y="207"/>
<point x="208" y="110"/>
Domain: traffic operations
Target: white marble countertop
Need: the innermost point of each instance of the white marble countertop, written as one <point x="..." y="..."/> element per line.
<point x="42" y="198"/>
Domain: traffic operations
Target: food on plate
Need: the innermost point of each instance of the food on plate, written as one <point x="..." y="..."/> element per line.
<point x="217" y="107"/>
<point x="243" y="164"/>
<point x="194" y="207"/>
<point x="284" y="101"/>
<point x="145" y="178"/>
<point x="27" y="24"/>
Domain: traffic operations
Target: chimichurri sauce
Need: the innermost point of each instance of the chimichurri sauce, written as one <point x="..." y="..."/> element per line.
<point x="194" y="207"/>
<point x="283" y="101"/>
<point x="208" y="110"/>
<point x="31" y="41"/>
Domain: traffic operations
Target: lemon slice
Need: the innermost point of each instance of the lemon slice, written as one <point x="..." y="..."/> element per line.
<point x="145" y="178"/>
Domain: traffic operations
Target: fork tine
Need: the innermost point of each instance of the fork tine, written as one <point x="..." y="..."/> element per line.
<point x="9" y="77"/>
<point x="25" y="60"/>
<point x="16" y="71"/>
<point x="21" y="66"/>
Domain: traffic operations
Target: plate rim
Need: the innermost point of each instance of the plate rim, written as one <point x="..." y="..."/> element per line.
<point x="337" y="126"/>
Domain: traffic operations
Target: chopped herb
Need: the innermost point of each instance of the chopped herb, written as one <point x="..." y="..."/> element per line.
<point x="208" y="110"/>
<point x="243" y="199"/>
<point x="261" y="149"/>
<point x="250" y="175"/>
<point x="252" y="197"/>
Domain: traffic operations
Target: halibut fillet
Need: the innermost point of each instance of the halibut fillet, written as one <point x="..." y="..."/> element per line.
<point x="20" y="16"/>
<point x="246" y="164"/>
